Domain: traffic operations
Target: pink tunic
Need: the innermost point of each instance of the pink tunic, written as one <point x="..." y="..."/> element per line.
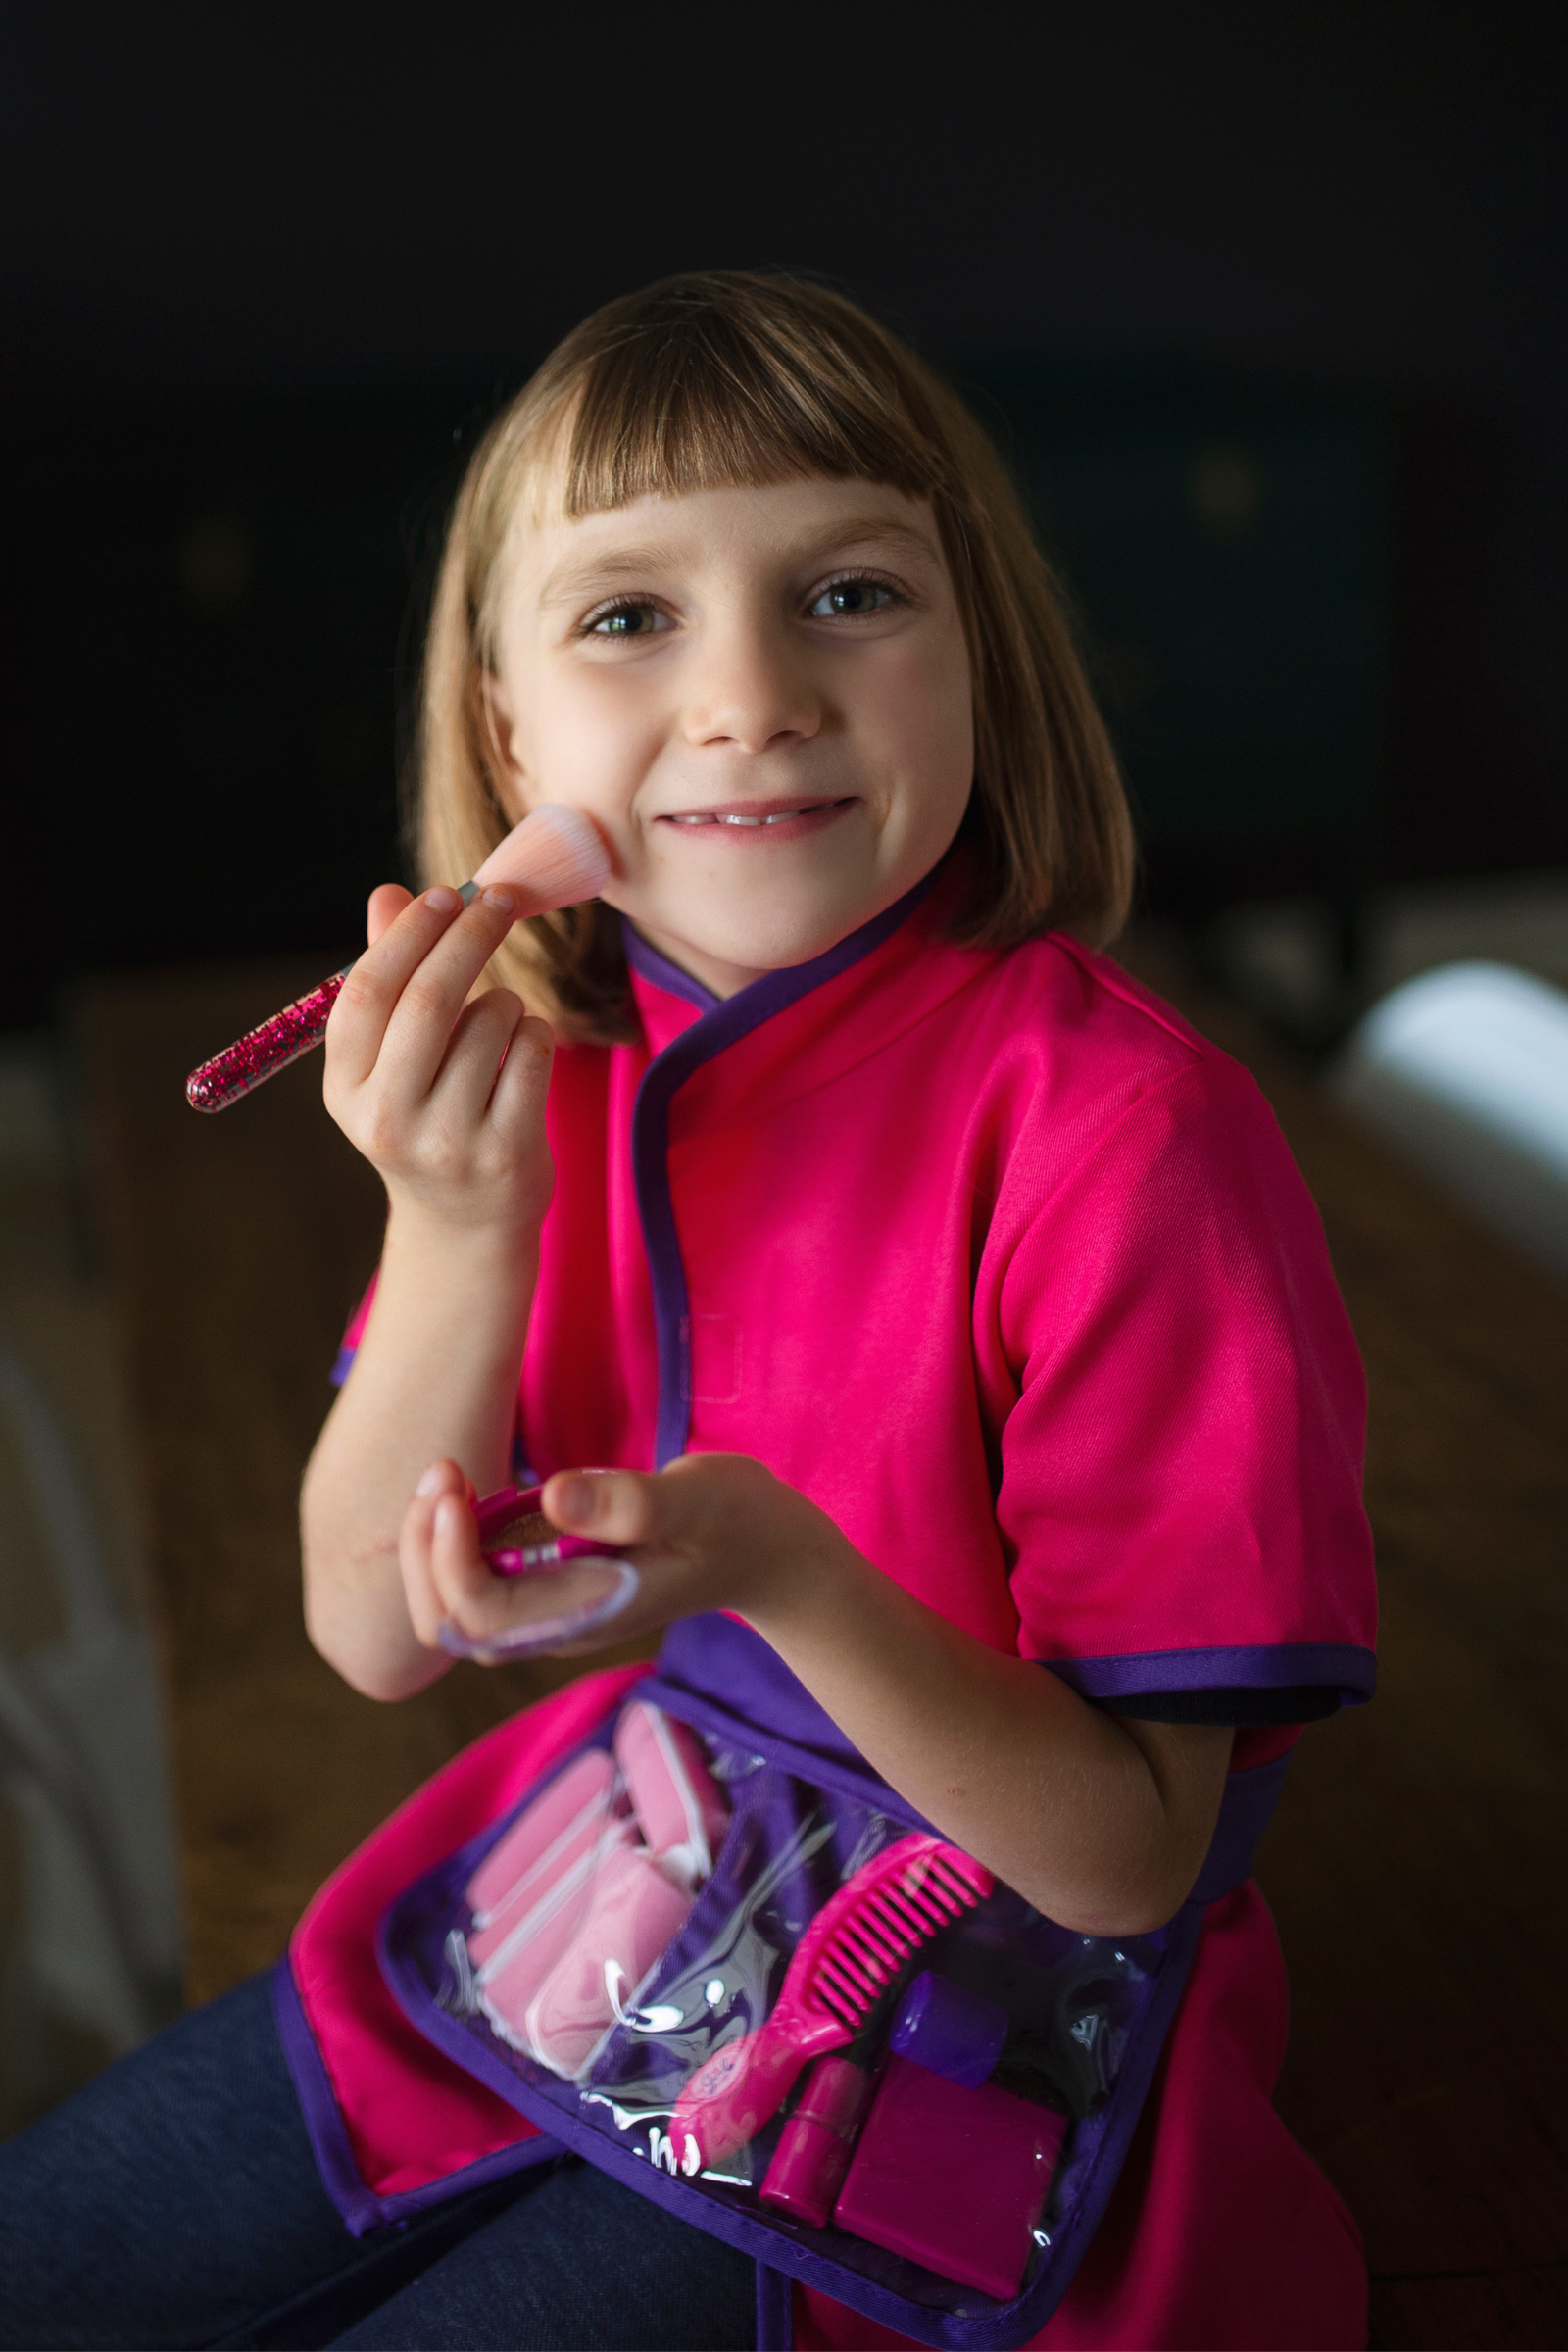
<point x="1014" y="1274"/>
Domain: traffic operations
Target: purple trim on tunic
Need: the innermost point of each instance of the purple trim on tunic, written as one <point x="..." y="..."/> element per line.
<point x="730" y="1020"/>
<point x="1245" y="1810"/>
<point x="652" y="965"/>
<point x="343" y="1367"/>
<point x="702" y="1656"/>
<point x="361" y="2207"/>
<point x="1341" y="1666"/>
<point x="775" y="2310"/>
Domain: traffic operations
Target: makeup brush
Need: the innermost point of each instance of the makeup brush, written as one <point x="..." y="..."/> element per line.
<point x="553" y="858"/>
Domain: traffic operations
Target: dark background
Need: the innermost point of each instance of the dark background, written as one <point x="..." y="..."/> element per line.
<point x="1266" y="302"/>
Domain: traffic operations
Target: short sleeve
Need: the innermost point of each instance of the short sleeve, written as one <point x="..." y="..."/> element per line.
<point x="350" y="1346"/>
<point x="1180" y="1489"/>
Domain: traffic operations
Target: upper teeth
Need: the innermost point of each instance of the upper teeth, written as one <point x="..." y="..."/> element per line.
<point x="702" y="817"/>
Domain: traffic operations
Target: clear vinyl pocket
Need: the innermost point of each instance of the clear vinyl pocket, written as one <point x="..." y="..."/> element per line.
<point x="784" y="2008"/>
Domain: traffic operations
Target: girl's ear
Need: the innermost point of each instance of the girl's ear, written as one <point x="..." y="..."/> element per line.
<point x="498" y="732"/>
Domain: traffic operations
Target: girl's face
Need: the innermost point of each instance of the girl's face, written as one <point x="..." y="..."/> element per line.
<point x="762" y="697"/>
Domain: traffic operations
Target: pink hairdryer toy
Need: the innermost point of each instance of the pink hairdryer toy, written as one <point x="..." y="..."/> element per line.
<point x="517" y="1540"/>
<point x="848" y="1955"/>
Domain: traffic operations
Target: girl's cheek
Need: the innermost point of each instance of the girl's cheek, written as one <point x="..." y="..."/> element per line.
<point x="596" y="752"/>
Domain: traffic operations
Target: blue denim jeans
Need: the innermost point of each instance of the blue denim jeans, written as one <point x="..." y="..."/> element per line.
<point x="175" y="2202"/>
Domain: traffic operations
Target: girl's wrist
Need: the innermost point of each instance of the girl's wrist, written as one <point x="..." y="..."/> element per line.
<point x="814" y="1595"/>
<point x="469" y="1282"/>
<point x="502" y="1234"/>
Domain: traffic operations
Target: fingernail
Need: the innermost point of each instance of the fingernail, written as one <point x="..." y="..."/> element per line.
<point x="577" y="1497"/>
<point x="501" y="898"/>
<point x="442" y="901"/>
<point x="430" y="1480"/>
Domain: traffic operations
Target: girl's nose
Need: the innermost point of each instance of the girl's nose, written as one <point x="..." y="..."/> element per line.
<point x="750" y="689"/>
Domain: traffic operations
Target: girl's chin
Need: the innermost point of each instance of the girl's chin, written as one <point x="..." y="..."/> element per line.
<point x="727" y="955"/>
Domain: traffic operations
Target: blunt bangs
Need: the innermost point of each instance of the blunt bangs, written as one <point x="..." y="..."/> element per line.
<point x="687" y="397"/>
<point x="734" y="381"/>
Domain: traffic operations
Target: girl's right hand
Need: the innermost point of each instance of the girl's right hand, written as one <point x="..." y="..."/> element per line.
<point x="445" y="1097"/>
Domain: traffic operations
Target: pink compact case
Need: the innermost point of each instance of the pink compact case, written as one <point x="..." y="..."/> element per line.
<point x="517" y="1540"/>
<point x="504" y="1515"/>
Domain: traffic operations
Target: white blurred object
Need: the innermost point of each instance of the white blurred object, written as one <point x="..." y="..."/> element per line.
<point x="1467" y="1069"/>
<point x="82" y="1758"/>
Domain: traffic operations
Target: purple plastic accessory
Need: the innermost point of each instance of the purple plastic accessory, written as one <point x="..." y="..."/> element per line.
<point x="953" y="2178"/>
<point x="947" y="2031"/>
<point x="815" y="2145"/>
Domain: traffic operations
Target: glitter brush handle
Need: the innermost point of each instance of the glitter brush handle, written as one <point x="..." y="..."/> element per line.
<point x="262" y="1052"/>
<point x="554" y="856"/>
<point x="254" y="1057"/>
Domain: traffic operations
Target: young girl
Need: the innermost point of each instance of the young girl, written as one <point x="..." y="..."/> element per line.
<point x="827" y="1221"/>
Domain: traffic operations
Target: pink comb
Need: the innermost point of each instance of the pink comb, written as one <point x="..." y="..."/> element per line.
<point x="851" y="1953"/>
<point x="555" y="857"/>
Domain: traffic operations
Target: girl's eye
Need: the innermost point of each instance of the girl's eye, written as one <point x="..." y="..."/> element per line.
<point x="851" y="600"/>
<point x="628" y="621"/>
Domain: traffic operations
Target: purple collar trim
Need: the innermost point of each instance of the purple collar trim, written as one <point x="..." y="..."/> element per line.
<point x="651" y="965"/>
<point x="728" y="1021"/>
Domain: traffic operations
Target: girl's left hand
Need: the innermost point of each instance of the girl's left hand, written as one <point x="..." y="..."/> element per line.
<point x="712" y="1531"/>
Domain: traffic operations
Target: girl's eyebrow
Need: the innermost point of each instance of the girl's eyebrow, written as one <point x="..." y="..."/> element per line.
<point x="575" y="578"/>
<point x="621" y="566"/>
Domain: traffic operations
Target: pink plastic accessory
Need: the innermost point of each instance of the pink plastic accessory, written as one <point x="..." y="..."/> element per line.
<point x="815" y="2145"/>
<point x="495" y="1514"/>
<point x="522" y="1874"/>
<point x="680" y="1808"/>
<point x="954" y="2179"/>
<point x="520" y="1967"/>
<point x="633" y="1911"/>
<point x="849" y="1953"/>
<point x="571" y="1907"/>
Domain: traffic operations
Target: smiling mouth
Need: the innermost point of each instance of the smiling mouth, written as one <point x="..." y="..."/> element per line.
<point x="756" y="816"/>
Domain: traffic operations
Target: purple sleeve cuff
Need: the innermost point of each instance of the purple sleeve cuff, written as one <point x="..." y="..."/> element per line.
<point x="1343" y="1668"/>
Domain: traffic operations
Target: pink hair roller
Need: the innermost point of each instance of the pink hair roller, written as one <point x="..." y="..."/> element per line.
<point x="569" y="1910"/>
<point x="680" y="1808"/>
<point x="514" y="1888"/>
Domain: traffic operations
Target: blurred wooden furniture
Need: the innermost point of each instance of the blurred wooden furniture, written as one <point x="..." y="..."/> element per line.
<point x="1417" y="1863"/>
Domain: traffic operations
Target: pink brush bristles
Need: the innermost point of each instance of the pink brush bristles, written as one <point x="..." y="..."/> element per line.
<point x="852" y="1951"/>
<point x="553" y="858"/>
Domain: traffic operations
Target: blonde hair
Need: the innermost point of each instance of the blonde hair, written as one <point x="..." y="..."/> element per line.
<point x="727" y="379"/>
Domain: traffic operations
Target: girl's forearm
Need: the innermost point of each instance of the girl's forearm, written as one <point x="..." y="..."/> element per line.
<point x="1101" y="1824"/>
<point x="435" y="1375"/>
